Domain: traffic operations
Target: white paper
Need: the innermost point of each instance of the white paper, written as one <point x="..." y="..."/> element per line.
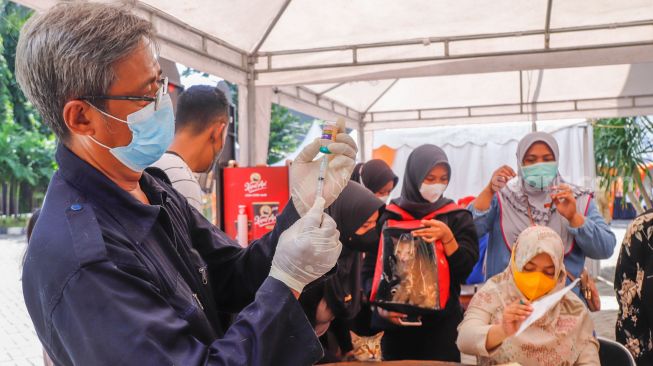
<point x="541" y="306"/>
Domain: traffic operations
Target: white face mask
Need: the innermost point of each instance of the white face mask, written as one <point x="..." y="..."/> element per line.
<point x="432" y="192"/>
<point x="384" y="198"/>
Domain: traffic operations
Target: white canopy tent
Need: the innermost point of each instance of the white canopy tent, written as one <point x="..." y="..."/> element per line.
<point x="385" y="64"/>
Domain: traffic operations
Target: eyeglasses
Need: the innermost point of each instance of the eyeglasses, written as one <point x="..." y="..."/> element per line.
<point x="163" y="90"/>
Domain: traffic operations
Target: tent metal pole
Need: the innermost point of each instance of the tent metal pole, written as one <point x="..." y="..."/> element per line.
<point x="351" y="115"/>
<point x="251" y="114"/>
<point x="457" y="57"/>
<point x="521" y="92"/>
<point x="420" y="41"/>
<point x="536" y="95"/>
<point x="640" y="103"/>
<point x="313" y="100"/>
<point x="270" y="27"/>
<point x="199" y="52"/>
<point x="482" y="118"/>
<point x="547" y="26"/>
<point x="361" y="140"/>
<point x="380" y="96"/>
<point x="242" y="132"/>
<point x="628" y="98"/>
<point x="330" y="89"/>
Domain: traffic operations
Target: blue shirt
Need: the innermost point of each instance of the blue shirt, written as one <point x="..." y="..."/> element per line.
<point x="478" y="272"/>
<point x="109" y="280"/>
<point x="594" y="239"/>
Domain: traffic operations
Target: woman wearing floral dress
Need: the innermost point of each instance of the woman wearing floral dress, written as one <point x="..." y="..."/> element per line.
<point x="632" y="282"/>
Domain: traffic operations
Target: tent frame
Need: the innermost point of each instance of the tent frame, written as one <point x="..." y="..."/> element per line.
<point x="251" y="71"/>
<point x="446" y="43"/>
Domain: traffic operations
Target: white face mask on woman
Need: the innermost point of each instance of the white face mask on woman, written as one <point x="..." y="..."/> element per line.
<point x="432" y="192"/>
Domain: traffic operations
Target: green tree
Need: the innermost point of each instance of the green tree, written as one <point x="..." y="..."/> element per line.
<point x="622" y="148"/>
<point x="26" y="145"/>
<point x="13" y="17"/>
<point x="6" y="76"/>
<point x="287" y="131"/>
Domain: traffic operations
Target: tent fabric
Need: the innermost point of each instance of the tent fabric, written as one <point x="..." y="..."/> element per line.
<point x="314" y="25"/>
<point x="383" y="64"/>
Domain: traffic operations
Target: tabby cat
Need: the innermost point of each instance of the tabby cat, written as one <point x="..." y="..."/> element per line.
<point x="415" y="268"/>
<point x="405" y="255"/>
<point x="366" y="349"/>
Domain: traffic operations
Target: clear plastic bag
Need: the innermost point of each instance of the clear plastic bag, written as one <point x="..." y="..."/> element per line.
<point x="415" y="272"/>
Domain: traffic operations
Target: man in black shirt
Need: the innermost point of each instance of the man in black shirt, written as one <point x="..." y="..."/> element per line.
<point x="120" y="270"/>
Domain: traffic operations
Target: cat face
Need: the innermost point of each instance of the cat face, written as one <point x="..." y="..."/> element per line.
<point x="367" y="348"/>
<point x="404" y="251"/>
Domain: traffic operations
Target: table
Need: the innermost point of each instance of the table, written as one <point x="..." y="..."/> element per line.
<point x="396" y="363"/>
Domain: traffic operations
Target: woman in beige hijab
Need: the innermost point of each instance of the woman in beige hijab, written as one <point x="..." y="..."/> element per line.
<point x="563" y="336"/>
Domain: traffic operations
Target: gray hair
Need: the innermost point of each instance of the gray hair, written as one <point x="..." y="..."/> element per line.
<point x="69" y="51"/>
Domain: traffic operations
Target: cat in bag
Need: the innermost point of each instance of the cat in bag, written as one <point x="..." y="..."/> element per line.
<point x="427" y="248"/>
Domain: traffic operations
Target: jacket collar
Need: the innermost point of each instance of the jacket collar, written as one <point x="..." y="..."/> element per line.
<point x="135" y="217"/>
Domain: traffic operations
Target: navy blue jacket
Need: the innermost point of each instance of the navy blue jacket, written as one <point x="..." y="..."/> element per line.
<point x="111" y="281"/>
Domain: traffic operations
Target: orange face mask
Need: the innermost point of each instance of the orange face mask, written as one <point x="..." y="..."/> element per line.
<point x="532" y="284"/>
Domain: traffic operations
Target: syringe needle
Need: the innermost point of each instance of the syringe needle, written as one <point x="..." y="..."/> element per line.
<point x="320" y="178"/>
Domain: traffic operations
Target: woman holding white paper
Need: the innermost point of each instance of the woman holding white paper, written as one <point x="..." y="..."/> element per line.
<point x="563" y="335"/>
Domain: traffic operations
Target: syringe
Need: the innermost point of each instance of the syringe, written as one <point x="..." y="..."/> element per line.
<point x="329" y="132"/>
<point x="320" y="179"/>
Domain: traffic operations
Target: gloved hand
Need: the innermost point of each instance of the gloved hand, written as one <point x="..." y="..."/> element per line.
<point x="306" y="250"/>
<point x="304" y="172"/>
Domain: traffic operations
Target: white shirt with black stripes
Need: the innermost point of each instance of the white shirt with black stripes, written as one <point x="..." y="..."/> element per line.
<point x="182" y="178"/>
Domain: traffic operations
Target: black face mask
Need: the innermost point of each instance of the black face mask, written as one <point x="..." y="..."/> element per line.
<point x="368" y="242"/>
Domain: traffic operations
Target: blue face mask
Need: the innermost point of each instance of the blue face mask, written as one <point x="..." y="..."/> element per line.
<point x="540" y="175"/>
<point x="152" y="133"/>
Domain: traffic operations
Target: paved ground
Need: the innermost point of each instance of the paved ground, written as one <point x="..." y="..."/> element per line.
<point x="20" y="346"/>
<point x="605" y="319"/>
<point x="18" y="342"/>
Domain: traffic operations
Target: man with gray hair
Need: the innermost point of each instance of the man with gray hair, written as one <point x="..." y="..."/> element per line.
<point x="119" y="269"/>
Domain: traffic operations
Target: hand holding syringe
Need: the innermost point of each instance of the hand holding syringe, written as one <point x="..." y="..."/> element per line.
<point x="329" y="132"/>
<point x="305" y="171"/>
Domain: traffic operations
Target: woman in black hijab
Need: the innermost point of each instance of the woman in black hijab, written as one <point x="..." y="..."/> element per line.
<point x="427" y="176"/>
<point x="356" y="212"/>
<point x="376" y="176"/>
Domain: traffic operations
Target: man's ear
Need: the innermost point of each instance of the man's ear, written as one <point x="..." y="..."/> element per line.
<point x="217" y="131"/>
<point x="78" y="117"/>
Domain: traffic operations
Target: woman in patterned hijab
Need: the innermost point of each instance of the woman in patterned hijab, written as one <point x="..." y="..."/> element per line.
<point x="563" y="336"/>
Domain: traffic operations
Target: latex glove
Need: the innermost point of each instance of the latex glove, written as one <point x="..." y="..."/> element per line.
<point x="305" y="171"/>
<point x="306" y="250"/>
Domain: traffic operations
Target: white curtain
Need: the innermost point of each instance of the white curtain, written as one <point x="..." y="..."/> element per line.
<point x="472" y="164"/>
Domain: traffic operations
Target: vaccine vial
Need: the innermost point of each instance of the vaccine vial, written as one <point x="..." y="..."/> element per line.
<point x="329" y="132"/>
